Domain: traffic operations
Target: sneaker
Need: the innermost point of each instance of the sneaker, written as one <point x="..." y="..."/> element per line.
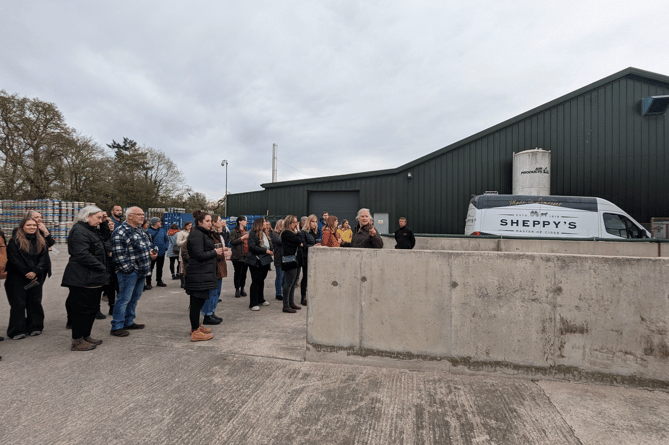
<point x="198" y="335"/>
<point x="18" y="336"/>
<point x="208" y="319"/>
<point x="135" y="326"/>
<point x="100" y="316"/>
<point x="35" y="333"/>
<point x="265" y="303"/>
<point x="255" y="308"/>
<point x="119" y="333"/>
<point x="81" y="345"/>
<point x="290" y="310"/>
<point x="92" y="341"/>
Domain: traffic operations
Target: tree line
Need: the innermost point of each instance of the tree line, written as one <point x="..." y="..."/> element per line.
<point x="41" y="157"/>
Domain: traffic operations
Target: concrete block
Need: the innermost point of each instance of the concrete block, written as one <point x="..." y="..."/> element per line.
<point x="502" y="307"/>
<point x="406" y="302"/>
<point x="334" y="289"/>
<point x="611" y="315"/>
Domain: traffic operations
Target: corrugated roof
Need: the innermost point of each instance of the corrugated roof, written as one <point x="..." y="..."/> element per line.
<point x="632" y="72"/>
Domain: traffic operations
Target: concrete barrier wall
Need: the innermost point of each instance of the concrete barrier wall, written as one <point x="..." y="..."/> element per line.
<point x="560" y="316"/>
<point x="474" y="244"/>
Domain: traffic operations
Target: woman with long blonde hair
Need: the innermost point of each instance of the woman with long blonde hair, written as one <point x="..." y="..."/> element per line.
<point x="278" y="255"/>
<point x="309" y="235"/>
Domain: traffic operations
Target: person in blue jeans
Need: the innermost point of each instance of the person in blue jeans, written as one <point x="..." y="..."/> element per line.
<point x="209" y="308"/>
<point x="131" y="252"/>
<point x="278" y="256"/>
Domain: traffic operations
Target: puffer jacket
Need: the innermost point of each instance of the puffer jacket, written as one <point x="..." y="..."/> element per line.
<point x="87" y="266"/>
<point x="201" y="269"/>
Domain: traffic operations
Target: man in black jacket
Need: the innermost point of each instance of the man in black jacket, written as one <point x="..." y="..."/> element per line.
<point x="404" y="236"/>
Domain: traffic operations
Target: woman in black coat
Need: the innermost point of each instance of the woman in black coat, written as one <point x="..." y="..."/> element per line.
<point x="85" y="274"/>
<point x="291" y="244"/>
<point x="259" y="259"/>
<point x="200" y="272"/>
<point x="309" y="236"/>
<point x="27" y="266"/>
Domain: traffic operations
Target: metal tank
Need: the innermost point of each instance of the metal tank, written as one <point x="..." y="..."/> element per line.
<point x="531" y="172"/>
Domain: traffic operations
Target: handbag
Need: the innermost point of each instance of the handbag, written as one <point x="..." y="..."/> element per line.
<point x="175" y="249"/>
<point x="289" y="262"/>
<point x="265" y="259"/>
<point x="251" y="259"/>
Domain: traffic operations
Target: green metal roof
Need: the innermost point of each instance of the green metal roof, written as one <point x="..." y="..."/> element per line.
<point x="634" y="72"/>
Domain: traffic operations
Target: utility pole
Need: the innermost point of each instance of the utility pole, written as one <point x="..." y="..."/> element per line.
<point x="224" y="163"/>
<point x="274" y="148"/>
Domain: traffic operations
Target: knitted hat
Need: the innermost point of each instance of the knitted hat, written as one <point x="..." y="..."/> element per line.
<point x="153" y="221"/>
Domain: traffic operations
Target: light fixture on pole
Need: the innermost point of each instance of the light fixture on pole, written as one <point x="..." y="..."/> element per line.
<point x="224" y="163"/>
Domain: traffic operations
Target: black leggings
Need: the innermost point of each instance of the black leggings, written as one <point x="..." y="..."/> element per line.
<point x="303" y="283"/>
<point x="174" y="259"/>
<point x="241" y="269"/>
<point x="196" y="306"/>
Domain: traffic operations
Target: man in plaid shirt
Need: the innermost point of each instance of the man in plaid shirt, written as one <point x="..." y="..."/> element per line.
<point x="131" y="251"/>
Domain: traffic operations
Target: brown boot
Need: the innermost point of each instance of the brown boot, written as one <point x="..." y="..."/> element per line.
<point x="198" y="335"/>
<point x="81" y="345"/>
<point x="92" y="341"/>
<point x="294" y="306"/>
<point x="203" y="329"/>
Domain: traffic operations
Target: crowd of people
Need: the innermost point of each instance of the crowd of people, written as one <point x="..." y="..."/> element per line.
<point x="113" y="258"/>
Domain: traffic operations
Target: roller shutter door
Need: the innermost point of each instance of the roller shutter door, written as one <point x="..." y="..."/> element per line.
<point x="342" y="204"/>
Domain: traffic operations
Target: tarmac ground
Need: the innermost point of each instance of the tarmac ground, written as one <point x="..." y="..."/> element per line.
<point x="251" y="385"/>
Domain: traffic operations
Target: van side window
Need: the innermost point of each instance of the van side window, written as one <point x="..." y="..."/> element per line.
<point x="621" y="226"/>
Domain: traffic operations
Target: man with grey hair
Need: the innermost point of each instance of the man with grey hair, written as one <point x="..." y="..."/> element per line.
<point x="365" y="235"/>
<point x="131" y="250"/>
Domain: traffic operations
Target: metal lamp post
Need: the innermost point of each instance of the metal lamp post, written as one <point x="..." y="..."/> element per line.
<point x="224" y="163"/>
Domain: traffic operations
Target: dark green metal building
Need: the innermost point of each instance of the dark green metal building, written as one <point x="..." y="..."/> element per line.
<point x="609" y="139"/>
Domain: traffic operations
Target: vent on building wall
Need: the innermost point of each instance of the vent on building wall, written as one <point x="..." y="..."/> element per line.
<point x="654" y="105"/>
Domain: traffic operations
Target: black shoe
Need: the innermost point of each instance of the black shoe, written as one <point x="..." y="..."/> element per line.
<point x="290" y="310"/>
<point x="135" y="326"/>
<point x="148" y="287"/>
<point x="2" y="338"/>
<point x="208" y="319"/>
<point x="119" y="333"/>
<point x="242" y="293"/>
<point x="216" y="317"/>
<point x="304" y="301"/>
<point x="100" y="316"/>
<point x="237" y="295"/>
<point x="279" y="297"/>
<point x="161" y="284"/>
<point x="219" y="300"/>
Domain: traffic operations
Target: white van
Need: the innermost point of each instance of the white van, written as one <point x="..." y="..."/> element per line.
<point x="549" y="217"/>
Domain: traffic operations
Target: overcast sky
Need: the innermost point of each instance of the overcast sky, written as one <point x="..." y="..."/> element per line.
<point x="340" y="86"/>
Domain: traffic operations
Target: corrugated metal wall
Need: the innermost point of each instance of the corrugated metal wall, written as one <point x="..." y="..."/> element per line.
<point x="601" y="146"/>
<point x="249" y="203"/>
